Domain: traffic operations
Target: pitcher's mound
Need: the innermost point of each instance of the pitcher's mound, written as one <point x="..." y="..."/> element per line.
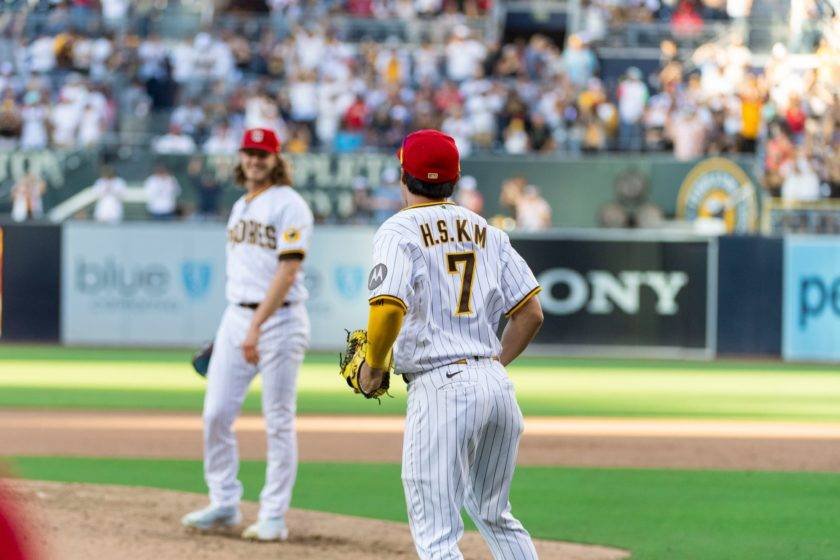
<point x="81" y="521"/>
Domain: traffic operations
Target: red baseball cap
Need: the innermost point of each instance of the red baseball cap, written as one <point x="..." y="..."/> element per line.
<point x="263" y="139"/>
<point x="430" y="156"/>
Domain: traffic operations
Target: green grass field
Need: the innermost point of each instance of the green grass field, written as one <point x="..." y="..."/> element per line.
<point x="162" y="380"/>
<point x="657" y="514"/>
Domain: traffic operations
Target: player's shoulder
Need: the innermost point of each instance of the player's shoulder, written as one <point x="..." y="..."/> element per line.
<point x="398" y="225"/>
<point x="240" y="202"/>
<point x="285" y="196"/>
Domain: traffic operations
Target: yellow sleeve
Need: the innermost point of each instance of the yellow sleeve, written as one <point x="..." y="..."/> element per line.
<point x="384" y="323"/>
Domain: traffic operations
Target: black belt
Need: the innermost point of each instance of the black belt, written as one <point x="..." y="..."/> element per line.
<point x="253" y="306"/>
<point x="463" y="361"/>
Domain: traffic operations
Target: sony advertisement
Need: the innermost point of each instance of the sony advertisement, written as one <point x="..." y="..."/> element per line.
<point x="811" y="325"/>
<point x="628" y="294"/>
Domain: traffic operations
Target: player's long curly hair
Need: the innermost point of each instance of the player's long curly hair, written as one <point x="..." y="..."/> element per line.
<point x="281" y="173"/>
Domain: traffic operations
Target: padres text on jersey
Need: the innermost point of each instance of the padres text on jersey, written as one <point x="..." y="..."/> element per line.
<point x="276" y="222"/>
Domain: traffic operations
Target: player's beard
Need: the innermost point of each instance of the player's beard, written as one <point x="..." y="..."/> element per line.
<point x="258" y="174"/>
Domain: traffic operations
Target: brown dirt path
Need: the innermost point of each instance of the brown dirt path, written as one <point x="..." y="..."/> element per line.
<point x="601" y="442"/>
<point x="80" y="522"/>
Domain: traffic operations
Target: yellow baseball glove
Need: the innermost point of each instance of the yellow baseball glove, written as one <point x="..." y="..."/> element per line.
<point x="350" y="364"/>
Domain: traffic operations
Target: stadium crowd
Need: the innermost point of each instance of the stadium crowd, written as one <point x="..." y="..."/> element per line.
<point x="64" y="87"/>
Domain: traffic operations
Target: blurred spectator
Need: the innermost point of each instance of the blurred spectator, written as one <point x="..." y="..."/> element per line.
<point x="223" y="140"/>
<point x="161" y="87"/>
<point x="516" y="139"/>
<point x="464" y="54"/>
<point x="41" y="55"/>
<point x="540" y="138"/>
<point x="189" y="117"/>
<point x="300" y="140"/>
<point x="751" y="106"/>
<point x="632" y="97"/>
<point x="323" y="89"/>
<point x="579" y="61"/>
<point x="686" y="21"/>
<point x="426" y="63"/>
<point x="152" y="54"/>
<point x="135" y="105"/>
<point x="688" y="134"/>
<point x="533" y="212"/>
<point x="91" y="127"/>
<point x="460" y="129"/>
<point x="11" y="123"/>
<point x="162" y="190"/>
<point x="778" y="159"/>
<point x="801" y="183"/>
<point x="175" y="142"/>
<point x="26" y="197"/>
<point x="65" y="118"/>
<point x="114" y="13"/>
<point x="207" y="188"/>
<point x="511" y="193"/>
<point x="110" y="191"/>
<point x="468" y="195"/>
<point x="386" y="199"/>
<point x="34" y="115"/>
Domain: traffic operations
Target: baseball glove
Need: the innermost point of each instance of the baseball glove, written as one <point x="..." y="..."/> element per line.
<point x="350" y="364"/>
<point x="201" y="360"/>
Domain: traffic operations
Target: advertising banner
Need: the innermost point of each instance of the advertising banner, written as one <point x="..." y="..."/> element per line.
<point x="634" y="296"/>
<point x="146" y="284"/>
<point x="336" y="269"/>
<point x="152" y="284"/>
<point x="811" y="327"/>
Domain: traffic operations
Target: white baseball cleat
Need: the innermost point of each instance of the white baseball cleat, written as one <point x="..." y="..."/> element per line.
<point x="212" y="517"/>
<point x="271" y="529"/>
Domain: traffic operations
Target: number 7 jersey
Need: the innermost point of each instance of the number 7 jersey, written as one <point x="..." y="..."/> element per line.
<point x="455" y="275"/>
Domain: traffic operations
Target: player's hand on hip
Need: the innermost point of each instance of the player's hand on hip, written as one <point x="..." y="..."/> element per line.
<point x="249" y="346"/>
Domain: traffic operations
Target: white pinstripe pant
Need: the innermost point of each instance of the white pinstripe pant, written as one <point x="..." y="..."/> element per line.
<point x="283" y="341"/>
<point x="461" y="437"/>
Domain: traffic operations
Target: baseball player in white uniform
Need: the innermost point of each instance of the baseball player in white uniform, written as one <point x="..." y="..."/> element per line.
<point x="265" y="329"/>
<point x="441" y="279"/>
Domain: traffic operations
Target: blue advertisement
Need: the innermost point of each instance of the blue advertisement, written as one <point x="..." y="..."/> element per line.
<point x="142" y="284"/>
<point x="812" y="299"/>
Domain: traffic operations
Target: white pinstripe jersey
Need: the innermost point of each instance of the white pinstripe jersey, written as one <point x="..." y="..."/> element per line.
<point x="275" y="222"/>
<point x="455" y="274"/>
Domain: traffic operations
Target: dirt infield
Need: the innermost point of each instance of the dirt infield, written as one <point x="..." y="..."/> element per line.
<point x="105" y="522"/>
<point x="582" y="442"/>
<point x="84" y="522"/>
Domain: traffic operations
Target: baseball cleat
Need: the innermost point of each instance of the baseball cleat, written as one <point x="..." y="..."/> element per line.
<point x="272" y="529"/>
<point x="212" y="517"/>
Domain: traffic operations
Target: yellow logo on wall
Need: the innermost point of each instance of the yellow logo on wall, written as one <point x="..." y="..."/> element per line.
<point x="719" y="188"/>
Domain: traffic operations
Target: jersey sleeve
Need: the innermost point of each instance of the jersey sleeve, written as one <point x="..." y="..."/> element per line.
<point x="391" y="277"/>
<point x="294" y="230"/>
<point x="518" y="282"/>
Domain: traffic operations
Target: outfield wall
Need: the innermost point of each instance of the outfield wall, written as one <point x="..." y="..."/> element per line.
<point x="576" y="187"/>
<point x="623" y="293"/>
